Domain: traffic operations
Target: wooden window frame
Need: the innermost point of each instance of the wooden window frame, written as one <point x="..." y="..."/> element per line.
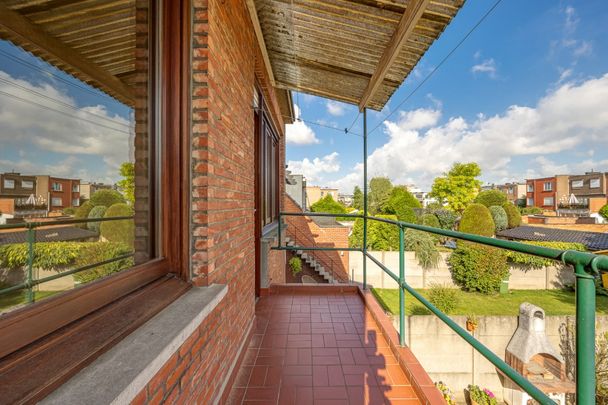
<point x="23" y="327"/>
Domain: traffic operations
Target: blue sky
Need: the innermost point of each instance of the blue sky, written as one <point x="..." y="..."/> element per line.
<point x="524" y="96"/>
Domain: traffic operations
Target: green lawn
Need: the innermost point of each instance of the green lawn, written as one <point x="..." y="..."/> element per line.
<point x="19" y="297"/>
<point x="554" y="302"/>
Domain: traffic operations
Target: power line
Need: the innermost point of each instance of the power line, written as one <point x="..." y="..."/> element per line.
<point x="353" y="123"/>
<point x="342" y="130"/>
<point x="490" y="10"/>
<point x="48" y="72"/>
<point x="59" y="102"/>
<point x="24" y="100"/>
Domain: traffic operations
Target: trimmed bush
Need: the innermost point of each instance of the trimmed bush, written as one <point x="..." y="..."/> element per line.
<point x="499" y="216"/>
<point x="47" y="255"/>
<point x="107" y="198"/>
<point x="513" y="215"/>
<point x="539" y="262"/>
<point x="478" y="268"/>
<point x="531" y="211"/>
<point x="96" y="212"/>
<point x="380" y="236"/>
<point x="490" y="198"/>
<point x="122" y="231"/>
<point x="477" y="219"/>
<point x="444" y="298"/>
<point x="98" y="252"/>
<point x="423" y="244"/>
<point x="604" y="211"/>
<point x="82" y="212"/>
<point x="69" y="211"/>
<point x="295" y="264"/>
<point x="430" y="220"/>
<point x="447" y="219"/>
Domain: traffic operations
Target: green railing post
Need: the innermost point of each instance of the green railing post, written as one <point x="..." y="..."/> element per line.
<point x="364" y="198"/>
<point x="585" y="336"/>
<point x="30" y="262"/>
<point x="401" y="289"/>
<point x="279" y="229"/>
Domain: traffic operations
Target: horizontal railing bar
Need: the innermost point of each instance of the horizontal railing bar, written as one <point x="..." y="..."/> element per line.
<point x="65" y="273"/>
<point x="383" y="267"/>
<point x="315" y="248"/>
<point x="61" y="222"/>
<point x="319" y="214"/>
<point x="567" y="256"/>
<point x="484" y="351"/>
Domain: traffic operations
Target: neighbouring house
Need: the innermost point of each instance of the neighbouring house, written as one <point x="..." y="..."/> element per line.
<point x="546" y="192"/>
<point x="315" y="193"/>
<point x="346" y="199"/>
<point x="295" y="187"/>
<point x="515" y="192"/>
<point x="60" y="193"/>
<point x="17" y="187"/>
<point x="590" y="191"/>
<point x="592" y="240"/>
<point x="207" y="84"/>
<point x="87" y="189"/>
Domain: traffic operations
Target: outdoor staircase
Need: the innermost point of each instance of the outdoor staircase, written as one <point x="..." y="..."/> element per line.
<point x="309" y="258"/>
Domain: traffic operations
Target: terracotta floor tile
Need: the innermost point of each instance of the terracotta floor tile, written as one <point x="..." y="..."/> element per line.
<point x="304" y="396"/>
<point x="319" y="376"/>
<point x="330" y="393"/>
<point x="261" y="394"/>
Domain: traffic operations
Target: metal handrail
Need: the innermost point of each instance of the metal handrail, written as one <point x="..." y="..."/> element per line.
<point x="30" y="281"/>
<point x="586" y="267"/>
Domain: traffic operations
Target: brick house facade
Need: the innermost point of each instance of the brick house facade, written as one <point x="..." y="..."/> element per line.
<point x="546" y="192"/>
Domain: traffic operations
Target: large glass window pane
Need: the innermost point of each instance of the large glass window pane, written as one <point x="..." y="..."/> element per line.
<point x="81" y="119"/>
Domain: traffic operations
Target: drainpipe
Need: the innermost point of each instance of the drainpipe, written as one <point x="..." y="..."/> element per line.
<point x="364" y="250"/>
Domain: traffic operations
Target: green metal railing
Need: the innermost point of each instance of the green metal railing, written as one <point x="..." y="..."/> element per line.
<point x="30" y="227"/>
<point x="587" y="267"/>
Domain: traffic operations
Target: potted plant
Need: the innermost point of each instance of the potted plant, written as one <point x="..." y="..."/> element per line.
<point x="446" y="392"/>
<point x="479" y="396"/>
<point x="472" y="323"/>
<point x="295" y="264"/>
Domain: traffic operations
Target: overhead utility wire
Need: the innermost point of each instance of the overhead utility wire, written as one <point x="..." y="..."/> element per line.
<point x="24" y="100"/>
<point x="322" y="125"/>
<point x="490" y="10"/>
<point x="32" y="66"/>
<point x="63" y="104"/>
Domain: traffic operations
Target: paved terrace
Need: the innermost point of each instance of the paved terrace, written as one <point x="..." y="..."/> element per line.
<point x="325" y="347"/>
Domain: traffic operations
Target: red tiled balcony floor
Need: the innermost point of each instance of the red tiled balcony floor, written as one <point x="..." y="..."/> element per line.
<point x="318" y="349"/>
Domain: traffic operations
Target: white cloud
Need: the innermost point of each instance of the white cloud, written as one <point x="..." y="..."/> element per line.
<point x="576" y="46"/>
<point x="487" y="66"/>
<point x="299" y="133"/>
<point x="24" y="124"/>
<point x="571" y="19"/>
<point x="335" y="108"/>
<point x="569" y="116"/>
<point x="314" y="169"/>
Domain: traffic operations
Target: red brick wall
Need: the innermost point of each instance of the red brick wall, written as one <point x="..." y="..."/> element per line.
<point x="328" y="237"/>
<point x="539" y="194"/>
<point x="7" y="206"/>
<point x="225" y="65"/>
<point x="276" y="267"/>
<point x="66" y="194"/>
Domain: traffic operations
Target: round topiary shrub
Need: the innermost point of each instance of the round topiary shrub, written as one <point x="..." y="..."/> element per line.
<point x="499" y="216"/>
<point x="107" y="198"/>
<point x="478" y="268"/>
<point x="604" y="211"/>
<point x="83" y="212"/>
<point x="121" y="230"/>
<point x="490" y="198"/>
<point x="430" y="220"/>
<point x="477" y="219"/>
<point x="96" y="212"/>
<point x="513" y="215"/>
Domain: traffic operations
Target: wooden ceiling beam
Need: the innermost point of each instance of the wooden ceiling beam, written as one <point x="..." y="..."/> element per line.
<point x="29" y="32"/>
<point x="253" y="13"/>
<point x="406" y="26"/>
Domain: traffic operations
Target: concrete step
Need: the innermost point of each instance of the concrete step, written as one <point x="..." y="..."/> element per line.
<point x="304" y="256"/>
<point x="299" y="252"/>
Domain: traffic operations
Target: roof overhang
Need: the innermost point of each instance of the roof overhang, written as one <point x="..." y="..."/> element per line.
<point x="358" y="51"/>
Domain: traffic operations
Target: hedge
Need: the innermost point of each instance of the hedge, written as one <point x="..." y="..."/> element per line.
<point x="604" y="211"/>
<point x="107" y="198"/>
<point x="96" y="212"/>
<point x="490" y="198"/>
<point x="98" y="252"/>
<point x="513" y="215"/>
<point x="118" y="231"/>
<point x="539" y="262"/>
<point x="478" y="268"/>
<point x="380" y="235"/>
<point x="477" y="219"/>
<point x="499" y="216"/>
<point x="82" y="212"/>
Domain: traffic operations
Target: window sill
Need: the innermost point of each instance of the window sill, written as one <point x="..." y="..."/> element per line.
<point x="121" y="373"/>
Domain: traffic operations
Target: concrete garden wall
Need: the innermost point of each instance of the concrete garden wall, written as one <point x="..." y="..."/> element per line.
<point x="522" y="278"/>
<point x="16" y="276"/>
<point x="448" y="358"/>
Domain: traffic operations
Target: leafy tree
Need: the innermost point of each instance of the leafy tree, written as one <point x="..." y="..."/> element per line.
<point x="490" y="198"/>
<point x="430" y="220"/>
<point x="379" y="192"/>
<point x="329" y="205"/>
<point x="107" y="198"/>
<point x="459" y="186"/>
<point x="96" y="212"/>
<point x="357" y="198"/>
<point x="500" y="218"/>
<point x="604" y="211"/>
<point x="423" y="244"/>
<point x="513" y="215"/>
<point x="380" y="235"/>
<point x="127" y="184"/>
<point x="447" y="219"/>
<point x="120" y="230"/>
<point x="401" y="203"/>
<point x="82" y="212"/>
<point x="477" y="219"/>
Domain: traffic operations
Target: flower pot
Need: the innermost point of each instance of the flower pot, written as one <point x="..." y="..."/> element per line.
<point x="471" y="326"/>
